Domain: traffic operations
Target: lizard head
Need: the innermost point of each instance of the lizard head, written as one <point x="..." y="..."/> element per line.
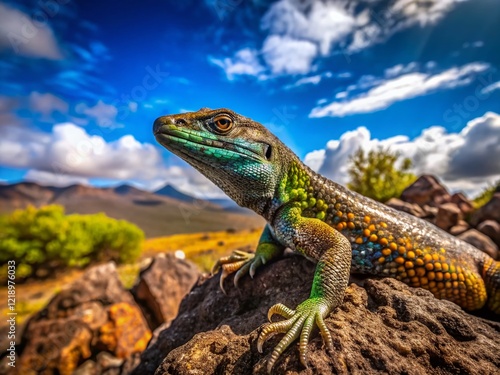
<point x="238" y="154"/>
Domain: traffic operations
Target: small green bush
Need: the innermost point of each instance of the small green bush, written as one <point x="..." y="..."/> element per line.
<point x="43" y="240"/>
<point x="485" y="196"/>
<point x="377" y="176"/>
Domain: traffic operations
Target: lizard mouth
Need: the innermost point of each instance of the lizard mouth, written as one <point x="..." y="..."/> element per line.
<point x="191" y="143"/>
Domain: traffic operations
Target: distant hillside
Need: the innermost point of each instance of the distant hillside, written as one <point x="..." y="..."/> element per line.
<point x="157" y="215"/>
<point x="224" y="203"/>
<point x="170" y="191"/>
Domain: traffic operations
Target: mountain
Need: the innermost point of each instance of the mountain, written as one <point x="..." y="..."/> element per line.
<point x="127" y="190"/>
<point x="170" y="191"/>
<point x="157" y="215"/>
<point x="226" y="204"/>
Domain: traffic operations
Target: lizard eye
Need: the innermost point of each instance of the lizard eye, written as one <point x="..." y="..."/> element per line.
<point x="223" y="124"/>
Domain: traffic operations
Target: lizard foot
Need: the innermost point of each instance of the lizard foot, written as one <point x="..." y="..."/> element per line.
<point x="240" y="262"/>
<point x="298" y="323"/>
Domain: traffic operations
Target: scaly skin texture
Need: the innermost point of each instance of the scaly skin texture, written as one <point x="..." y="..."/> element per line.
<point x="323" y="221"/>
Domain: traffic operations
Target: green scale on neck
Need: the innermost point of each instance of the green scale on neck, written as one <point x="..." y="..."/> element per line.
<point x="296" y="187"/>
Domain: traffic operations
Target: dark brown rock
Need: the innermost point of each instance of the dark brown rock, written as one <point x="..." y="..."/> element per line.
<point x="429" y="211"/>
<point x="491" y="229"/>
<point x="448" y="216"/>
<point x="162" y="286"/>
<point x="94" y="313"/>
<point x="463" y="203"/>
<point x="490" y="211"/>
<point x="461" y="227"/>
<point x="412" y="209"/>
<point x="383" y="326"/>
<point x="481" y="241"/>
<point x="426" y="190"/>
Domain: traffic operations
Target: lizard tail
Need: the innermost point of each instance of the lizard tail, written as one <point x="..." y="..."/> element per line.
<point x="491" y="276"/>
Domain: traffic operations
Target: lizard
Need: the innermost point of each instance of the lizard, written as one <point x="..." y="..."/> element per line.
<point x="324" y="221"/>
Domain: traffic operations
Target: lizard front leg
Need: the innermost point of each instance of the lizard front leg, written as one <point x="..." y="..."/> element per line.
<point x="317" y="240"/>
<point x="242" y="262"/>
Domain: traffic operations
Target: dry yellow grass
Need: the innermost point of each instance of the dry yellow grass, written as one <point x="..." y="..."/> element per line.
<point x="33" y="296"/>
<point x="203" y="248"/>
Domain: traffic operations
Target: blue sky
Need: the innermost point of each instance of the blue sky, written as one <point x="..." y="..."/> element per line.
<point x="81" y="83"/>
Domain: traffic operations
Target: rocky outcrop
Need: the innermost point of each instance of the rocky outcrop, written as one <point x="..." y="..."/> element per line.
<point x="462" y="203"/>
<point x="429" y="200"/>
<point x="162" y="286"/>
<point x="383" y="326"/>
<point x="410" y="208"/>
<point x="426" y="191"/>
<point x="490" y="211"/>
<point x="94" y="314"/>
<point x="490" y="228"/>
<point x="96" y="326"/>
<point x="448" y="216"/>
<point x="459" y="228"/>
<point x="481" y="241"/>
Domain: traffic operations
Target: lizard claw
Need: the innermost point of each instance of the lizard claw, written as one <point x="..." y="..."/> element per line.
<point x="240" y="262"/>
<point x="230" y="260"/>
<point x="298" y="323"/>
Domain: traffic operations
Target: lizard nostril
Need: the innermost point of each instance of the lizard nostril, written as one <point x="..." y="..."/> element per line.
<point x="180" y="121"/>
<point x="268" y="152"/>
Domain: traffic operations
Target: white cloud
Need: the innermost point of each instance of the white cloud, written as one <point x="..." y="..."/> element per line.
<point x="315" y="159"/>
<point x="8" y="105"/>
<point x="490" y="88"/>
<point x="476" y="44"/>
<point x="19" y="34"/>
<point x="323" y="23"/>
<point x="50" y="108"/>
<point x="465" y="161"/>
<point x="300" y="32"/>
<point x="312" y="80"/>
<point x="378" y="26"/>
<point x="54" y="179"/>
<point x="69" y="149"/>
<point x="244" y="62"/>
<point x="278" y="52"/>
<point x="421" y="12"/>
<point x="70" y="155"/>
<point x="104" y="114"/>
<point x="46" y="104"/>
<point x="385" y="92"/>
<point x="400" y="69"/>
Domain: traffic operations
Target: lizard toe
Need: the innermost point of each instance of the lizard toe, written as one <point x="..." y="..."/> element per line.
<point x="298" y="323"/>
<point x="281" y="310"/>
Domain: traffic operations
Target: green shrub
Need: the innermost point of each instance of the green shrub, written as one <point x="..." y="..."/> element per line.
<point x="376" y="174"/>
<point x="44" y="240"/>
<point x="486" y="195"/>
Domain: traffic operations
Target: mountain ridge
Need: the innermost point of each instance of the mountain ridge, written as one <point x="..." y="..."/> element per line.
<point x="156" y="214"/>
